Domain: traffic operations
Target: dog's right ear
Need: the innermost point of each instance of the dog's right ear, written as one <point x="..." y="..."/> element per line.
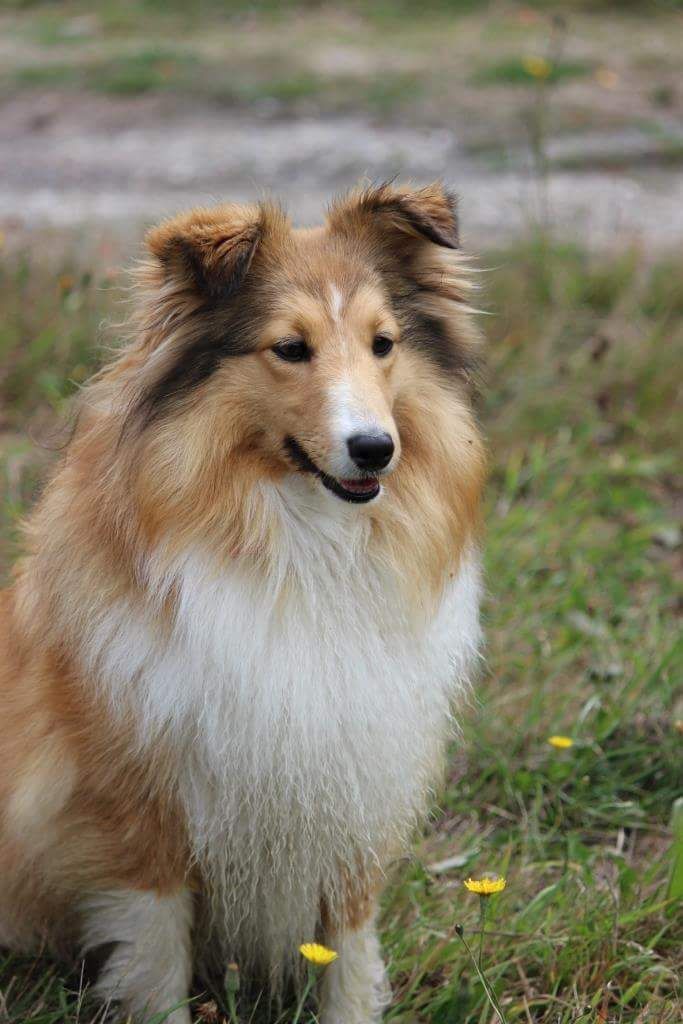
<point x="197" y="261"/>
<point x="209" y="250"/>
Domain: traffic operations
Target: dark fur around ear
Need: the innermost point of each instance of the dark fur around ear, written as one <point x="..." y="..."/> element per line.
<point x="197" y="263"/>
<point x="209" y="250"/>
<point x="412" y="236"/>
<point x="427" y="213"/>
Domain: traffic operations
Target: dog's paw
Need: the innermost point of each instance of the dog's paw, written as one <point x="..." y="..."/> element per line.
<point x="360" y="1006"/>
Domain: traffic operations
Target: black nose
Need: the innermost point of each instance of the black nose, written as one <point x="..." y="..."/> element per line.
<point x="371" y="451"/>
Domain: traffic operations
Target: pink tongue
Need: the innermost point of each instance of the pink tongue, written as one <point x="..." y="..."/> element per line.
<point x="360" y="486"/>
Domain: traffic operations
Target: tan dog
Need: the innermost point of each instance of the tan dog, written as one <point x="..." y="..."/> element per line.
<point x="249" y="598"/>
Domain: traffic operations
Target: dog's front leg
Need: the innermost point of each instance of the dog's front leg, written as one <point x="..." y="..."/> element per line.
<point x="150" y="966"/>
<point x="355" y="988"/>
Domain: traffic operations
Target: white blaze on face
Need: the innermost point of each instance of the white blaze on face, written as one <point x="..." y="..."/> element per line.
<point x="336" y="301"/>
<point x="348" y="417"/>
<point x="349" y="413"/>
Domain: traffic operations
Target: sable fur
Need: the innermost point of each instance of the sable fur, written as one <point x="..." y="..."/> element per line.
<point x="214" y="676"/>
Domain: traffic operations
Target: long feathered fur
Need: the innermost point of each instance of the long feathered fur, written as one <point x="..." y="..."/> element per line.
<point x="215" y="673"/>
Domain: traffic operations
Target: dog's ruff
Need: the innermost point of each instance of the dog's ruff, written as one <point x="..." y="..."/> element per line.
<point x="232" y="651"/>
<point x="337" y="704"/>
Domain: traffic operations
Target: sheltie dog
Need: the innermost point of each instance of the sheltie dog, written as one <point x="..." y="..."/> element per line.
<point x="249" y="599"/>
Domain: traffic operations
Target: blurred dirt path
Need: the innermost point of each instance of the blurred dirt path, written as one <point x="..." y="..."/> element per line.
<point x="84" y="160"/>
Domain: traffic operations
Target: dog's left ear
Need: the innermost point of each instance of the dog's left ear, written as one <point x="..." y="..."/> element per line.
<point x="426" y="214"/>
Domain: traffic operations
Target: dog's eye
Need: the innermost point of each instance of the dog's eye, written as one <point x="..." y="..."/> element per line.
<point x="382" y="345"/>
<point x="292" y="350"/>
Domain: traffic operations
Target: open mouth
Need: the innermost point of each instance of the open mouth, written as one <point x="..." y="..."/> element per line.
<point x="359" y="490"/>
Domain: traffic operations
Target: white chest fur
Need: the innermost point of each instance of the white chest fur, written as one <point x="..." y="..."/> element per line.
<point x="308" y="710"/>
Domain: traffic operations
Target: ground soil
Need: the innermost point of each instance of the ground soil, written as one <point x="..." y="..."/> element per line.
<point x="72" y="159"/>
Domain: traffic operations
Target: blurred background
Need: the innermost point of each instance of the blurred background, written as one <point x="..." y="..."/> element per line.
<point x="119" y="112"/>
<point x="560" y="126"/>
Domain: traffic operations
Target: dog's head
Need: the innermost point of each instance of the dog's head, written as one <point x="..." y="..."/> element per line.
<point x="302" y="347"/>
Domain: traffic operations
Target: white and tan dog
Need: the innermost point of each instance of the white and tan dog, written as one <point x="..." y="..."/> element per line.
<point x="249" y="598"/>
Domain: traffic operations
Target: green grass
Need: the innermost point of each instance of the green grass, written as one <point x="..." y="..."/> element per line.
<point x="168" y="70"/>
<point x="435" y="64"/>
<point x="144" y="70"/>
<point x="515" y="71"/>
<point x="583" y="414"/>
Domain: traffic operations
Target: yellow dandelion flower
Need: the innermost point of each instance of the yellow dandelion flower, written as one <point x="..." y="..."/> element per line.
<point x="537" y="67"/>
<point x="607" y="78"/>
<point x="485" y="886"/>
<point x="317" y="954"/>
<point x="561" y="742"/>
